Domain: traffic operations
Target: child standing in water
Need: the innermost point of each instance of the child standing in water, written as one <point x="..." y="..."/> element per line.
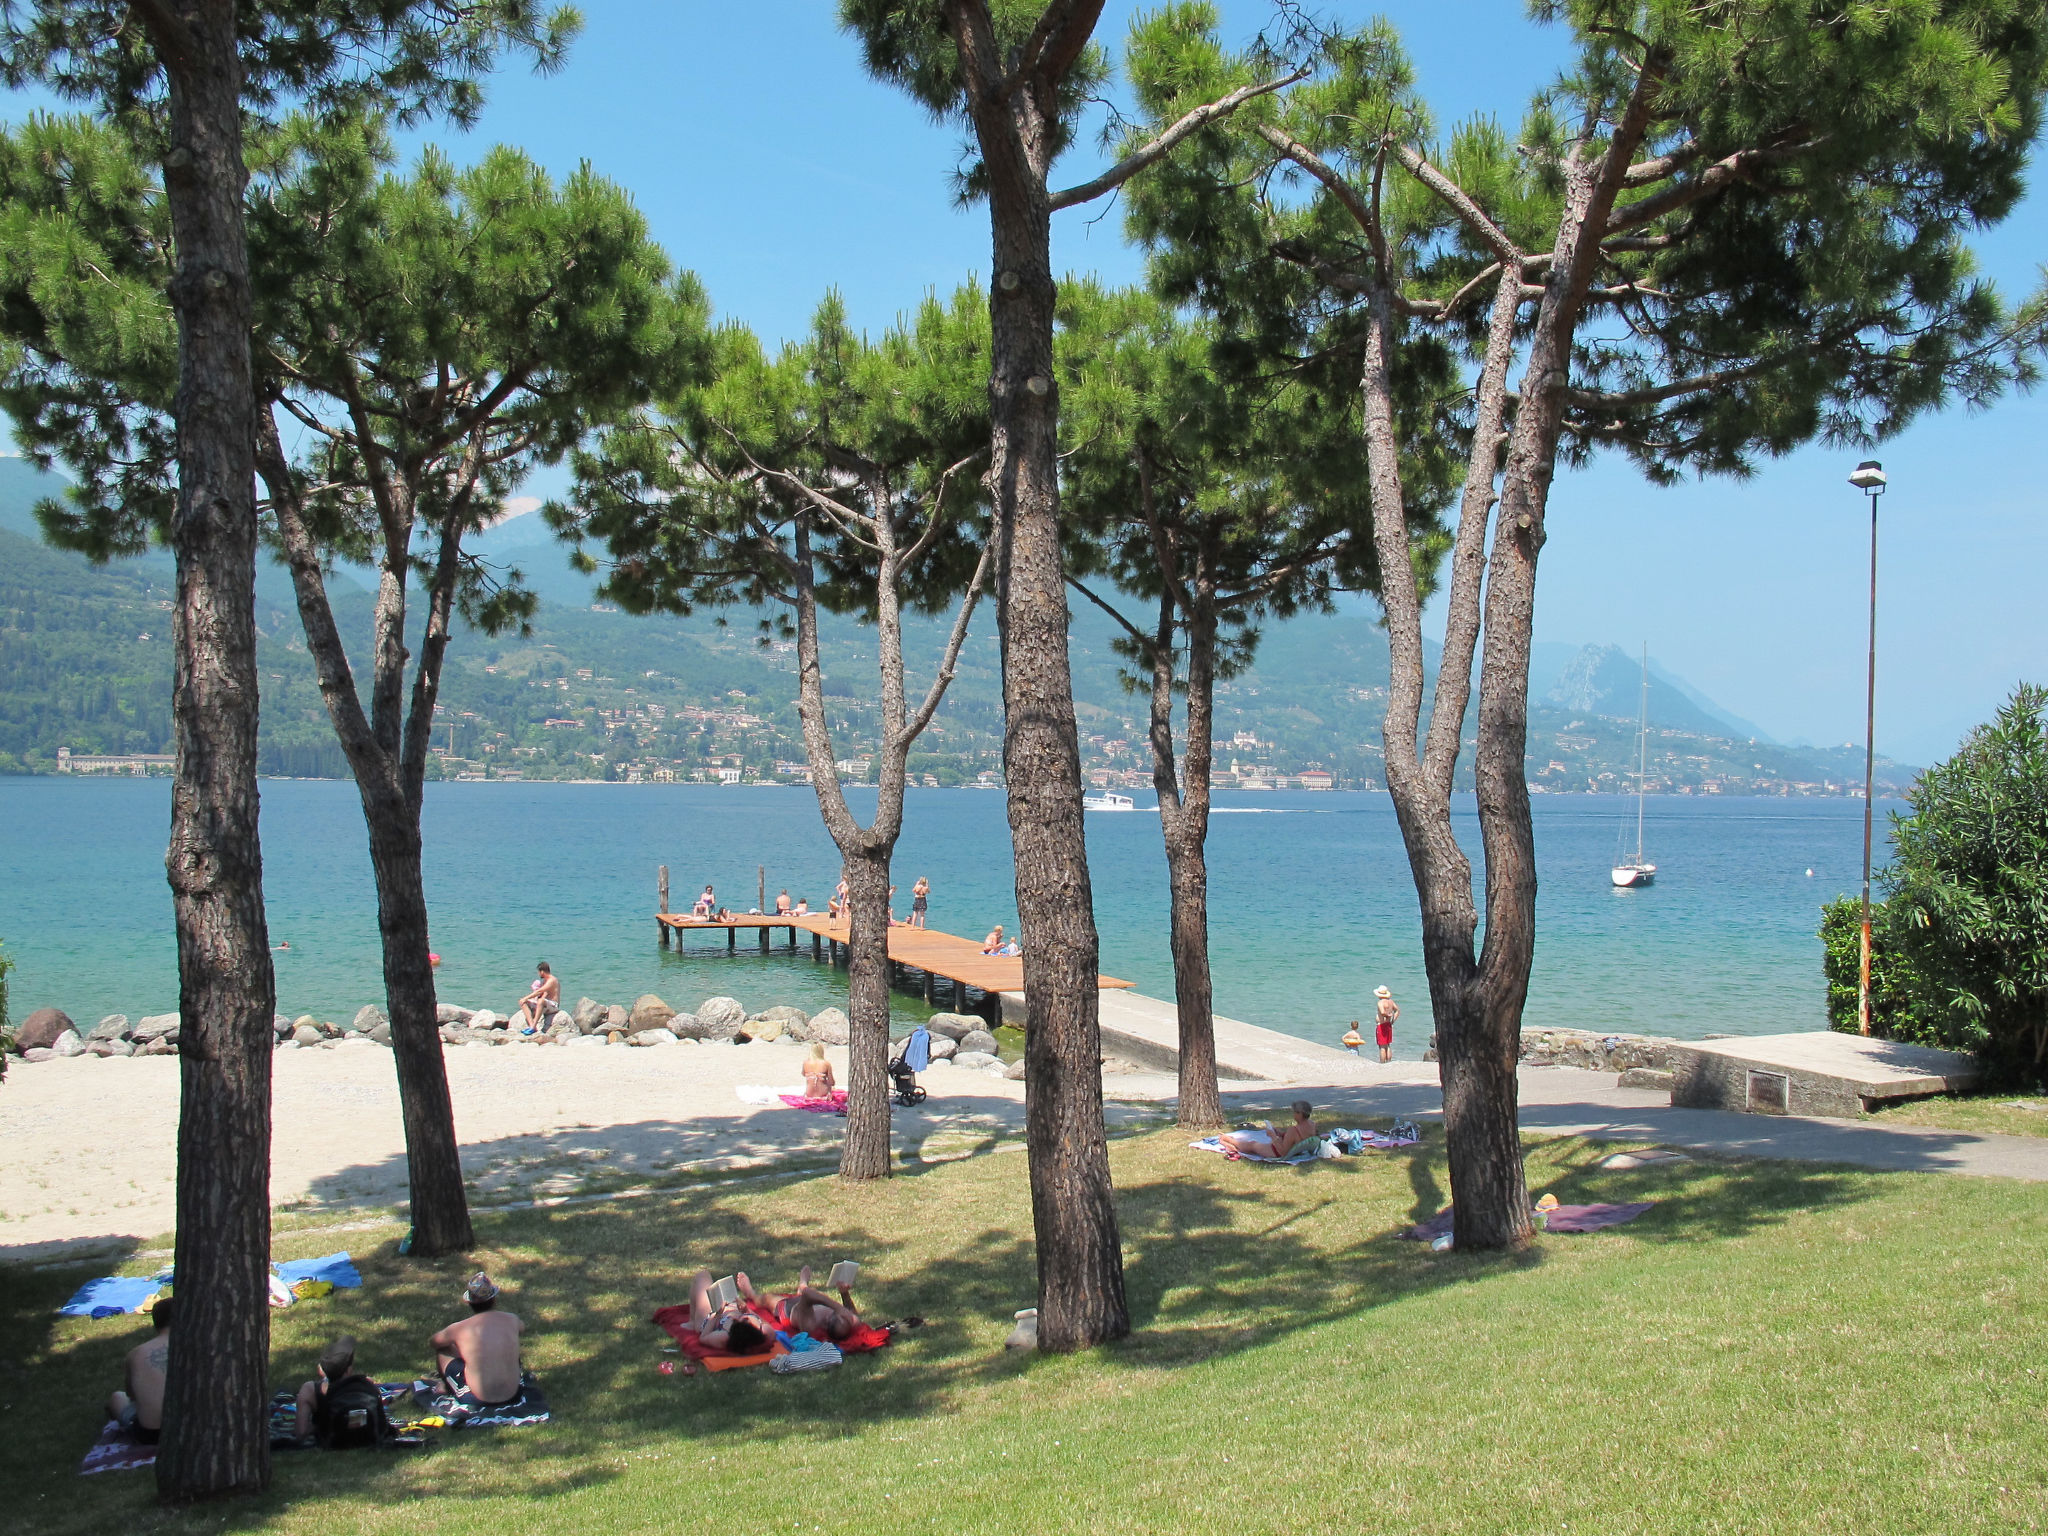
<point x="1383" y="1029"/>
<point x="1353" y="1039"/>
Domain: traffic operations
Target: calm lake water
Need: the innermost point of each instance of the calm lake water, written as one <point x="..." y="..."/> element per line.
<point x="1311" y="901"/>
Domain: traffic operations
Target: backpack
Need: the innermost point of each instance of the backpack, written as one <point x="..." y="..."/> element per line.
<point x="351" y="1416"/>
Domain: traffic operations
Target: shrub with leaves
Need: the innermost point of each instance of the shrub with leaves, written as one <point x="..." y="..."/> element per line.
<point x="1966" y="914"/>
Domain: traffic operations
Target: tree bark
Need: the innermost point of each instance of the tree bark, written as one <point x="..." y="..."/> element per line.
<point x="216" y="1439"/>
<point x="387" y="754"/>
<point x="866" y="1153"/>
<point x="433" y="1159"/>
<point x="1080" y="1257"/>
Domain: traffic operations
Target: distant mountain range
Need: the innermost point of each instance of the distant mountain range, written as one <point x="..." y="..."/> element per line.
<point x="85" y="664"/>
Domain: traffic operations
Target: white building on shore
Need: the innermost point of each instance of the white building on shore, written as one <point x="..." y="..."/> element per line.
<point x="139" y="763"/>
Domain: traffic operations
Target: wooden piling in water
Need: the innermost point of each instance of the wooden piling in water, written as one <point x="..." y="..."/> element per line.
<point x="661" y="904"/>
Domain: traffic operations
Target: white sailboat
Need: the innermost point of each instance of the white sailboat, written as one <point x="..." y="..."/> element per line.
<point x="1633" y="873"/>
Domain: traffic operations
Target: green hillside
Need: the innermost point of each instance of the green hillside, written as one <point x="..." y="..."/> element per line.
<point x="85" y="663"/>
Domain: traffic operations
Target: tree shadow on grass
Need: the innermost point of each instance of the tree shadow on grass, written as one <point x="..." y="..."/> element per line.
<point x="1221" y="1258"/>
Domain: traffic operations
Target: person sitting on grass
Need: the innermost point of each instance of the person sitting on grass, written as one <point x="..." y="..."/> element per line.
<point x="817" y="1073"/>
<point x="340" y="1406"/>
<point x="139" y="1407"/>
<point x="809" y="1310"/>
<point x="730" y="1328"/>
<point x="478" y="1357"/>
<point x="1267" y="1142"/>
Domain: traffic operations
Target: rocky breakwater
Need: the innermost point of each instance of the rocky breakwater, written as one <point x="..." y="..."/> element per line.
<point x="959" y="1041"/>
<point x="1638" y="1061"/>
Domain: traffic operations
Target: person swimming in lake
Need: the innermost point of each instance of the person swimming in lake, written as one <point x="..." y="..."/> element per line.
<point x="1276" y="1144"/>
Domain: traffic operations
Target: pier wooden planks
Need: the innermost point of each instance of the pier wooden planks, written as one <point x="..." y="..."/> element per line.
<point x="923" y="949"/>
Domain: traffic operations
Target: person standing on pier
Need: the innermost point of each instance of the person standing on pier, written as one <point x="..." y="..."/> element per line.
<point x="1383" y="1030"/>
<point x="920" y="894"/>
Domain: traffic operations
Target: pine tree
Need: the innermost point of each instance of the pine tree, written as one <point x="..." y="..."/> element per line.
<point x="187" y="77"/>
<point x="1015" y="73"/>
<point x="841" y="475"/>
<point x="1724" y="232"/>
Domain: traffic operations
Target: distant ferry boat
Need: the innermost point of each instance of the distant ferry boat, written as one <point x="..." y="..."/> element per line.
<point x="1104" y="800"/>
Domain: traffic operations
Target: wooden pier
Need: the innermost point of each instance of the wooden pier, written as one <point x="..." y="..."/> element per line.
<point x="939" y="961"/>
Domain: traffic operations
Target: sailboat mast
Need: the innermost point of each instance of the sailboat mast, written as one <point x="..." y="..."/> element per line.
<point x="1642" y="750"/>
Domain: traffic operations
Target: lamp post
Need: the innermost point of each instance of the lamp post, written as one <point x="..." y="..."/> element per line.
<point x="1870" y="479"/>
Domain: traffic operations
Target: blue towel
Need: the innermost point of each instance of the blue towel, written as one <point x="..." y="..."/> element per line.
<point x="337" y="1269"/>
<point x="119" y="1292"/>
<point x="917" y="1050"/>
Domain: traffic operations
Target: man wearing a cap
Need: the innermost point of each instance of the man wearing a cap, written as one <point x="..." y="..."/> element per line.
<point x="479" y="1356"/>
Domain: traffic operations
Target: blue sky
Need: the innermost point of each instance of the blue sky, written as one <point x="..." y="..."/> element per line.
<point x="770" y="163"/>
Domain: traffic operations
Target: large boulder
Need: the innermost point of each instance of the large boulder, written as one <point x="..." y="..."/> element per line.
<point x="764" y="1029"/>
<point x="976" y="1060"/>
<point x="1015" y="1071"/>
<point x="586" y="1040"/>
<point x="155" y="1027"/>
<point x="615" y="1017"/>
<point x="307" y="1032"/>
<point x="380" y="1032"/>
<point x="650" y="1037"/>
<point x="368" y="1018"/>
<point x="650" y="1012"/>
<point x="978" y="1040"/>
<point x="113" y="1027"/>
<point x="721" y="1017"/>
<point x="684" y="1026"/>
<point x="831" y="1026"/>
<point x="38" y="1053"/>
<point x="448" y="1013"/>
<point x="160" y="1046"/>
<point x="280" y="1026"/>
<point x="110" y="1048"/>
<point x="589" y="1014"/>
<point x="791" y="1019"/>
<point x="483" y="1018"/>
<point x="953" y="1026"/>
<point x="42" y="1029"/>
<point x="942" y="1047"/>
<point x="68" y="1044"/>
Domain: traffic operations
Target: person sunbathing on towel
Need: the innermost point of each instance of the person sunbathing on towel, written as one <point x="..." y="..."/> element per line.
<point x="809" y="1310"/>
<point x="139" y="1407"/>
<point x="730" y="1327"/>
<point x="1272" y="1143"/>
<point x="478" y="1357"/>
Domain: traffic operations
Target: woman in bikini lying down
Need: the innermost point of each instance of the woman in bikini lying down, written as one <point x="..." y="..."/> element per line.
<point x="1271" y="1143"/>
<point x="810" y="1310"/>
<point x="730" y="1327"/>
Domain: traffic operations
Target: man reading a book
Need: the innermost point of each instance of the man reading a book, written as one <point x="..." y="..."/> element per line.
<point x="810" y="1310"/>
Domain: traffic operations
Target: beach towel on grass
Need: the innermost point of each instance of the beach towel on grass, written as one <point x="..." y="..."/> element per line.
<point x="116" y="1450"/>
<point x="1564" y="1218"/>
<point x="1308" y="1152"/>
<point x="337" y="1269"/>
<point x="464" y="1412"/>
<point x="675" y="1322"/>
<point x="110" y="1297"/>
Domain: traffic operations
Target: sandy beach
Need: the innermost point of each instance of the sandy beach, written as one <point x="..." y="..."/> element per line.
<point x="92" y="1143"/>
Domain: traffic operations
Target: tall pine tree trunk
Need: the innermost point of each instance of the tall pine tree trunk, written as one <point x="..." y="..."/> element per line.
<point x="216" y="1439"/>
<point x="1080" y="1260"/>
<point x="433" y="1159"/>
<point x="866" y="1151"/>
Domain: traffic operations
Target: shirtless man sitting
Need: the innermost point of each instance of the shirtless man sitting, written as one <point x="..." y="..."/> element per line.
<point x="1272" y="1143"/>
<point x="543" y="1000"/>
<point x="478" y="1358"/>
<point x="139" y="1407"/>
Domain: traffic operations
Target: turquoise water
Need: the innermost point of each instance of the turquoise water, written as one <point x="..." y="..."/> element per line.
<point x="1312" y="906"/>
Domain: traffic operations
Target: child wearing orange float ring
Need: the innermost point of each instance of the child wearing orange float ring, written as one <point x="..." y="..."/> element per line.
<point x="1353" y="1039"/>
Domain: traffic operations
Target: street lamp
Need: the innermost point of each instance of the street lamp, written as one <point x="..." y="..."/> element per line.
<point x="1868" y="478"/>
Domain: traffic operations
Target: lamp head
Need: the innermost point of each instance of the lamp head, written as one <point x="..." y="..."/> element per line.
<point x="1869" y="476"/>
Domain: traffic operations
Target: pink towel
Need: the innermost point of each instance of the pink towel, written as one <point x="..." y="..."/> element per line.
<point x="835" y="1105"/>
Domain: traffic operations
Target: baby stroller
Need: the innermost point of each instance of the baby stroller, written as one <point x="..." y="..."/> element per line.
<point x="917" y="1055"/>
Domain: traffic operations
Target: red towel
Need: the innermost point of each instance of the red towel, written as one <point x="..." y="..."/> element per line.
<point x="675" y="1322"/>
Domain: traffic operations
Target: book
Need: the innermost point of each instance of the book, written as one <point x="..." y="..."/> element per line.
<point x="724" y="1293"/>
<point x="844" y="1273"/>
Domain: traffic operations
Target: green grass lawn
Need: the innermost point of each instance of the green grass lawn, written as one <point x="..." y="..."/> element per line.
<point x="2009" y="1114"/>
<point x="1774" y="1348"/>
